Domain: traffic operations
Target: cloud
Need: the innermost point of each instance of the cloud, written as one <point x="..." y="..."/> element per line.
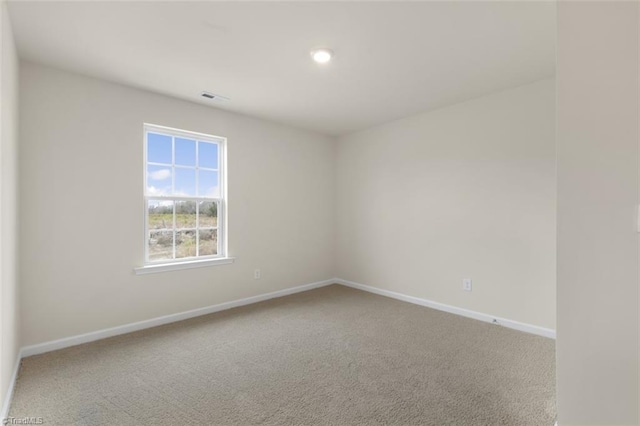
<point x="166" y="191"/>
<point x="161" y="174"/>
<point x="152" y="190"/>
<point x="212" y="191"/>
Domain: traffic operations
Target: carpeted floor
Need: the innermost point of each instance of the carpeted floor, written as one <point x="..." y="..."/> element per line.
<point x="331" y="356"/>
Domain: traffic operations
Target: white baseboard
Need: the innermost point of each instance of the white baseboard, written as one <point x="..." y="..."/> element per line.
<point x="528" y="328"/>
<point x="6" y="404"/>
<point x="154" y="322"/>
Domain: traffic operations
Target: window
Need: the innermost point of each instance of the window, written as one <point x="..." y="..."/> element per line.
<point x="184" y="196"/>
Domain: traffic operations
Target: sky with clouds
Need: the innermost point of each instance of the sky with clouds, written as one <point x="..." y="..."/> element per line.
<point x="193" y="174"/>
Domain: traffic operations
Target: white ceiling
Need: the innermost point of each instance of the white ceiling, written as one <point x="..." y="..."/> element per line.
<point x="392" y="59"/>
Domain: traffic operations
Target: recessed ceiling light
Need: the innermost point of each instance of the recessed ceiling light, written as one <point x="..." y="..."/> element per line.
<point x="322" y="56"/>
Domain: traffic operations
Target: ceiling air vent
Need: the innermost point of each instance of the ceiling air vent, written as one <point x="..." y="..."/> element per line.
<point x="214" y="97"/>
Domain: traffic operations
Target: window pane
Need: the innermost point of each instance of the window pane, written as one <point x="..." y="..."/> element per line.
<point x="182" y="178"/>
<point x="208" y="242"/>
<point x="185" y="244"/>
<point x="185" y="152"/>
<point x="160" y="215"/>
<point x="160" y="245"/>
<point x="185" y="182"/>
<point x="158" y="180"/>
<point x="208" y="184"/>
<point x="158" y="148"/>
<point x="185" y="214"/>
<point x="208" y="214"/>
<point x="208" y="155"/>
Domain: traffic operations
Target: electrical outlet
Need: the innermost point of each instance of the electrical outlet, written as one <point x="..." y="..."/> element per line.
<point x="466" y="284"/>
<point x="256" y="274"/>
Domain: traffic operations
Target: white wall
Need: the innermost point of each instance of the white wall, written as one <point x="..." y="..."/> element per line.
<point x="82" y="209"/>
<point x="465" y="191"/>
<point x="9" y="343"/>
<point x="597" y="347"/>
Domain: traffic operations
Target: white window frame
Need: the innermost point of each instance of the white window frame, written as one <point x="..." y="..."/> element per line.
<point x="194" y="261"/>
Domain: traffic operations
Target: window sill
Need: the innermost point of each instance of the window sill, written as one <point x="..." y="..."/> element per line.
<point x="176" y="266"/>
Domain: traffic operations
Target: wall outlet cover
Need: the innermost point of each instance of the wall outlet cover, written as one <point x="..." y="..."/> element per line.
<point x="467" y="284"/>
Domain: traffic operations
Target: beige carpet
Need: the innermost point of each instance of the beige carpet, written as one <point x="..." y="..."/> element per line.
<point x="331" y="356"/>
